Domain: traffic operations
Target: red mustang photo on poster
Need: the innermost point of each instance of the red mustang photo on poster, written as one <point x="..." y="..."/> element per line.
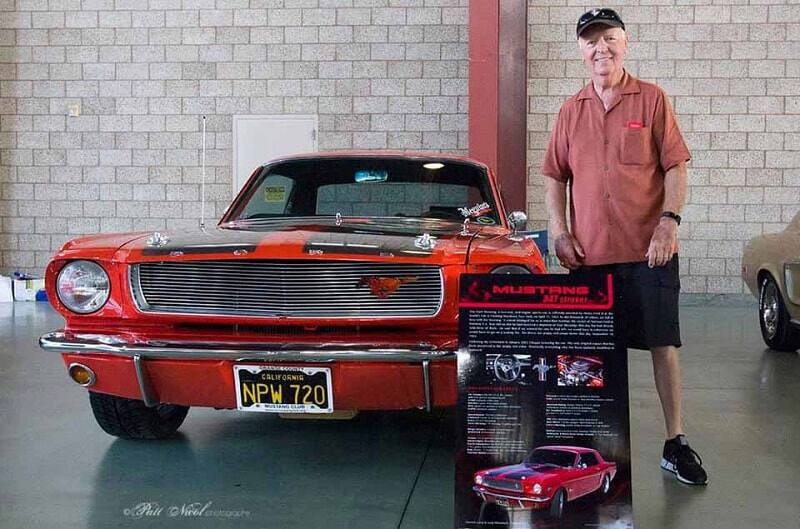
<point x="548" y="478"/>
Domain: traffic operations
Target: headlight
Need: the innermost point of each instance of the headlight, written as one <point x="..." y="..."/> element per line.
<point x="510" y="269"/>
<point x="83" y="287"/>
<point x="537" y="489"/>
<point x="479" y="480"/>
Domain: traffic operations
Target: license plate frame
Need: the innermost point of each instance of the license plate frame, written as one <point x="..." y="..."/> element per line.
<point x="301" y="389"/>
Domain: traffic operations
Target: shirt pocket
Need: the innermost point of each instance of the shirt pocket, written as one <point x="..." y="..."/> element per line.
<point x="634" y="145"/>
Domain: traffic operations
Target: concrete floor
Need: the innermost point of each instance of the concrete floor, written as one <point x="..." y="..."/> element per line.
<point x="381" y="471"/>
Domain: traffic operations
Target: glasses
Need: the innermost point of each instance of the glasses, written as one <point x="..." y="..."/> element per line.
<point x="602" y="14"/>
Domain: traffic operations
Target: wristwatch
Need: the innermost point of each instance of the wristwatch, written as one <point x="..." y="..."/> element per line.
<point x="672" y="215"/>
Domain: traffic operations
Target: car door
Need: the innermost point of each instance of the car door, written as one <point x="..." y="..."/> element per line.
<point x="590" y="475"/>
<point x="570" y="479"/>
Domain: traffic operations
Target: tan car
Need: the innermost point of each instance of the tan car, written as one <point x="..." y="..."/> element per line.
<point x="771" y="270"/>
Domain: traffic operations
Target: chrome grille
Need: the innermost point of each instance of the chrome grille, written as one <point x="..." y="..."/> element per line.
<point x="502" y="484"/>
<point x="304" y="289"/>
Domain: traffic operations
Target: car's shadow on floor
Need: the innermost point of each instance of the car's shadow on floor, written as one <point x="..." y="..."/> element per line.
<point x="263" y="471"/>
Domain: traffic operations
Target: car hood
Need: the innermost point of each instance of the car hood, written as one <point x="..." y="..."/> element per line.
<point x="311" y="240"/>
<point x="523" y="471"/>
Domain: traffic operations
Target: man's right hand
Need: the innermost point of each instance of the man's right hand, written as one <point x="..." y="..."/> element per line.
<point x="569" y="251"/>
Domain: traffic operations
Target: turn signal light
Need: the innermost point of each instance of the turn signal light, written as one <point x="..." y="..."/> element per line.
<point x="81" y="374"/>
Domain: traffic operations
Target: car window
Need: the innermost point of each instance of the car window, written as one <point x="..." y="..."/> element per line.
<point x="588" y="459"/>
<point x="795" y="223"/>
<point x="551" y="457"/>
<point x="371" y="186"/>
<point x="404" y="199"/>
<point x="272" y="197"/>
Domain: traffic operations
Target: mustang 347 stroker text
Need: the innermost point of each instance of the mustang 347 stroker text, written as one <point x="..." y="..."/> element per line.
<point x="330" y="283"/>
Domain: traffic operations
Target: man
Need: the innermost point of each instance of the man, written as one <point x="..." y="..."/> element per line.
<point x="616" y="145"/>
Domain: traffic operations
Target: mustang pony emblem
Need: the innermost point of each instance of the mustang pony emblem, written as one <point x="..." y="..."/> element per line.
<point x="383" y="287"/>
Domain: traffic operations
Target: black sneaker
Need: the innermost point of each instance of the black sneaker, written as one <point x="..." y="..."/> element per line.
<point x="684" y="462"/>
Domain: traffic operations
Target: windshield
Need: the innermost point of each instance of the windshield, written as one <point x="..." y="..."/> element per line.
<point x="371" y="187"/>
<point x="550" y="457"/>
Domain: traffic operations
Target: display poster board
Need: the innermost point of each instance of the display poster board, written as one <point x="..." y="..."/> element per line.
<point x="543" y="424"/>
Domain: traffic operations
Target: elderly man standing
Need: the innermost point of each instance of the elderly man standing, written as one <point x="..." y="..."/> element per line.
<point x="617" y="147"/>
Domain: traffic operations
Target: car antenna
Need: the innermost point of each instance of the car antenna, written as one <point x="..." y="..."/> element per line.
<point x="203" y="182"/>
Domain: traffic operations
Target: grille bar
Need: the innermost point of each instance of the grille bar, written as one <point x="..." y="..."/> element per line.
<point x="502" y="484"/>
<point x="326" y="289"/>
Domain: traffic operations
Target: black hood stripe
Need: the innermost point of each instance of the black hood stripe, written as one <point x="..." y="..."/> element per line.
<point x="203" y="249"/>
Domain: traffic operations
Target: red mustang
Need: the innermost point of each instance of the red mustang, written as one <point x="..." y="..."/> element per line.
<point x="548" y="478"/>
<point x="330" y="283"/>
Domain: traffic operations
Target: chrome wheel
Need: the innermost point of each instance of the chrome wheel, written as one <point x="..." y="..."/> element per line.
<point x="770" y="309"/>
<point x="606" y="485"/>
<point x="776" y="325"/>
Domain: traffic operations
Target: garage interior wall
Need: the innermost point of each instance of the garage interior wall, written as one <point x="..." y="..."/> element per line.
<point x="733" y="74"/>
<point x="379" y="74"/>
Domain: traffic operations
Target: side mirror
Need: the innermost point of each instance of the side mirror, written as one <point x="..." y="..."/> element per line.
<point x="518" y="221"/>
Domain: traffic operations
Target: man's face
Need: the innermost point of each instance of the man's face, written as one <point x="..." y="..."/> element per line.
<point x="603" y="49"/>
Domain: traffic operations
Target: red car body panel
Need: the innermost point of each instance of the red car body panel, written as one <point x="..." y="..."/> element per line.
<point x="512" y="485"/>
<point x="209" y="381"/>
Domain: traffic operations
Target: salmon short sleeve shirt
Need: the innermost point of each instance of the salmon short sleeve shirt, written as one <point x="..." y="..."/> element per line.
<point x="614" y="162"/>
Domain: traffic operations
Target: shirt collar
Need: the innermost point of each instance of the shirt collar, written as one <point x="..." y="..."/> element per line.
<point x="629" y="85"/>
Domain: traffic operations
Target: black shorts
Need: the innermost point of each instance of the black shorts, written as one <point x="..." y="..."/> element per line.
<point x="648" y="299"/>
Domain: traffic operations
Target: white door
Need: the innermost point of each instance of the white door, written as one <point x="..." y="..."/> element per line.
<point x="259" y="139"/>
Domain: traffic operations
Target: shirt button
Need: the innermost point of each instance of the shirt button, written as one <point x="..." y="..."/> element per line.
<point x="605" y="168"/>
<point x="605" y="142"/>
<point x="608" y="195"/>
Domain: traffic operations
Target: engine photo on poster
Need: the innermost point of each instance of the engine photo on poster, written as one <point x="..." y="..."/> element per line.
<point x="543" y="436"/>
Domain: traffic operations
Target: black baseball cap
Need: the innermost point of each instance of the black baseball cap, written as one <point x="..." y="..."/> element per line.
<point x="606" y="16"/>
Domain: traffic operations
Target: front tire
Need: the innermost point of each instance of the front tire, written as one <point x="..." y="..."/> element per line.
<point x="557" y="505"/>
<point x="776" y="328"/>
<point x="131" y="419"/>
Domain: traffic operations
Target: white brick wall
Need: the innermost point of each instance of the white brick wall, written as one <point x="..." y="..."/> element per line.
<point x="731" y="71"/>
<point x="379" y="73"/>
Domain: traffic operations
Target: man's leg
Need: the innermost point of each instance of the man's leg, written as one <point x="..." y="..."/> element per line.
<point x="667" y="372"/>
<point x="678" y="457"/>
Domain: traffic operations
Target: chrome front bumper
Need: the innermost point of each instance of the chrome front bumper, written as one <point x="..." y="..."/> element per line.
<point x="84" y="343"/>
<point x="483" y="493"/>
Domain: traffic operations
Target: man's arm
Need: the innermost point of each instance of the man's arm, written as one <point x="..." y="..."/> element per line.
<point x="568" y="249"/>
<point x="664" y="242"/>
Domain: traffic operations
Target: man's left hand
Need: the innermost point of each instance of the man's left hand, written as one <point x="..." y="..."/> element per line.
<point x="663" y="243"/>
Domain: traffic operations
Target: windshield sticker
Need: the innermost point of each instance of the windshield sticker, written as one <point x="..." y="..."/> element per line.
<point x="485" y="220"/>
<point x="275" y="194"/>
<point x="476" y="210"/>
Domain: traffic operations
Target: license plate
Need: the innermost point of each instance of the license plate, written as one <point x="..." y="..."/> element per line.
<point x="283" y="389"/>
<point x="502" y="502"/>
